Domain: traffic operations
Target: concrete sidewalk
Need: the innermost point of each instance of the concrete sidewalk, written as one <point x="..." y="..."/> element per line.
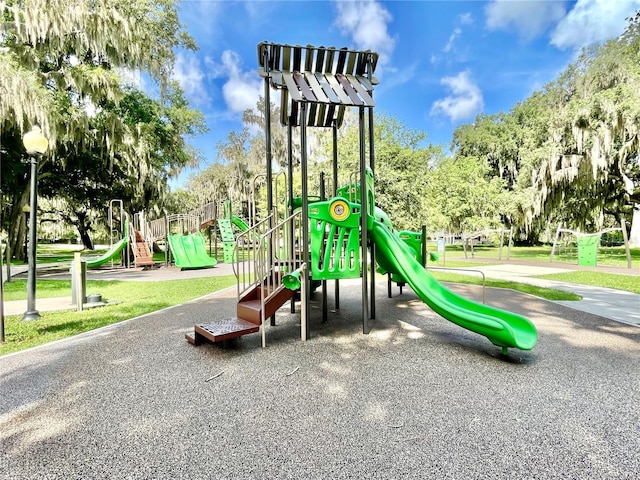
<point x="617" y="305"/>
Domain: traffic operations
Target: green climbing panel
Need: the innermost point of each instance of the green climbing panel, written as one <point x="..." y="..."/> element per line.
<point x="335" y="239"/>
<point x="588" y="250"/>
<point x="228" y="239"/>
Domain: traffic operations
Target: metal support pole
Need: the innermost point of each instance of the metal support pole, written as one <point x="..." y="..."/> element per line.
<point x="305" y="207"/>
<point x="304" y="323"/>
<point x="335" y="190"/>
<point x="292" y="252"/>
<point x="324" y="282"/>
<point x="372" y="247"/>
<point x="363" y="226"/>
<point x="625" y="237"/>
<point x="32" y="313"/>
<point x="267" y="131"/>
<point x="424" y="246"/>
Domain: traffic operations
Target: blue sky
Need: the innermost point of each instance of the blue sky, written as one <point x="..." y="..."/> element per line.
<point x="441" y="62"/>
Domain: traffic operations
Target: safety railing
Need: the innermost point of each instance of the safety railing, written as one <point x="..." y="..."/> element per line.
<point x="272" y="252"/>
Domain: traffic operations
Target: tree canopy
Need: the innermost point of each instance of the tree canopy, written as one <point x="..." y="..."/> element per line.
<point x="61" y="67"/>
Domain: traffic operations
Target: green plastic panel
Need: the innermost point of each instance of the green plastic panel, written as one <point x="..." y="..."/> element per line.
<point x="588" y="250"/>
<point x="335" y="243"/>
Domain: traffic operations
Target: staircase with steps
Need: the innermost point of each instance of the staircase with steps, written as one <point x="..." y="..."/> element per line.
<point x="269" y="256"/>
<point x="248" y="319"/>
<point x="141" y="252"/>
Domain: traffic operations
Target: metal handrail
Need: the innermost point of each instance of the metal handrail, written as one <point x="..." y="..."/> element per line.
<point x="274" y="256"/>
<point x="272" y="253"/>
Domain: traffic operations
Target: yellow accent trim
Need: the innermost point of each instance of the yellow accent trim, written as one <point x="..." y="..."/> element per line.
<point x="335" y="208"/>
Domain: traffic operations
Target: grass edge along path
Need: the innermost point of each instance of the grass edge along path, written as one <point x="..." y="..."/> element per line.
<point x="628" y="283"/>
<point x="129" y="300"/>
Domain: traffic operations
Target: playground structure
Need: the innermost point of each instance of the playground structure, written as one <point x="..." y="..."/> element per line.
<point x="346" y="235"/>
<point x="585" y="248"/>
<point x="184" y="243"/>
<point x="126" y="241"/>
<point x="487" y="237"/>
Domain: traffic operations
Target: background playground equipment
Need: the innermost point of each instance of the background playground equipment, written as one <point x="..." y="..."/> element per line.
<point x="125" y="242"/>
<point x="186" y="244"/>
<point x="587" y="249"/>
<point x="227" y="234"/>
<point x="488" y="237"/>
<point x="345" y="236"/>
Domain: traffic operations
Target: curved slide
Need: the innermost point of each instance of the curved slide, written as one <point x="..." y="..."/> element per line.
<point x="502" y="328"/>
<point x="241" y="224"/>
<point x="189" y="251"/>
<point x="109" y="255"/>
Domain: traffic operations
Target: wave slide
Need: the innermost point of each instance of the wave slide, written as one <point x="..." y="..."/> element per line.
<point x="504" y="329"/>
<point x="189" y="251"/>
<point x="109" y="255"/>
<point x="241" y="224"/>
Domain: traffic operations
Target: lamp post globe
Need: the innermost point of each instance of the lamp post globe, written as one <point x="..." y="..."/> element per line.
<point x="36" y="144"/>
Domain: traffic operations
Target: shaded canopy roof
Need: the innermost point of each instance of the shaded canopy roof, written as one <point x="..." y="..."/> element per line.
<point x="329" y="79"/>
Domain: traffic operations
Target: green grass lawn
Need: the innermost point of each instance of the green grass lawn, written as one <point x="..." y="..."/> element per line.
<point x="128" y="300"/>
<point x="628" y="283"/>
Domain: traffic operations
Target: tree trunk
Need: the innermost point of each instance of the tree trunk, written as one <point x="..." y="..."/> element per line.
<point x="84" y="228"/>
<point x="18" y="226"/>
<point x="634" y="237"/>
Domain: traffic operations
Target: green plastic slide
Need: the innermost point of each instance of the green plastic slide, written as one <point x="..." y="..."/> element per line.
<point x="241" y="224"/>
<point x="502" y="328"/>
<point x="189" y="251"/>
<point x="109" y="255"/>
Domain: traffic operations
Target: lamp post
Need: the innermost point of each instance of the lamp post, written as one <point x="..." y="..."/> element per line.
<point x="36" y="144"/>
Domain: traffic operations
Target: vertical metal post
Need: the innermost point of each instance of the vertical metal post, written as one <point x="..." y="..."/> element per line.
<point x="32" y="313"/>
<point x="305" y="207"/>
<point x="334" y="130"/>
<point x="555" y="241"/>
<point x="372" y="165"/>
<point x="267" y="130"/>
<point x="324" y="282"/>
<point x="625" y="237"/>
<point x="77" y="282"/>
<point x="292" y="252"/>
<point x="363" y="225"/>
<point x="424" y="246"/>
<point x="304" y="322"/>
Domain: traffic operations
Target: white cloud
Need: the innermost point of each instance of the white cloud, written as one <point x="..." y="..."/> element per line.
<point x="593" y="21"/>
<point x="242" y="89"/>
<point x="529" y="18"/>
<point x="449" y="46"/>
<point x="366" y="22"/>
<point x="188" y="73"/>
<point x="465" y="99"/>
<point x="466" y="18"/>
